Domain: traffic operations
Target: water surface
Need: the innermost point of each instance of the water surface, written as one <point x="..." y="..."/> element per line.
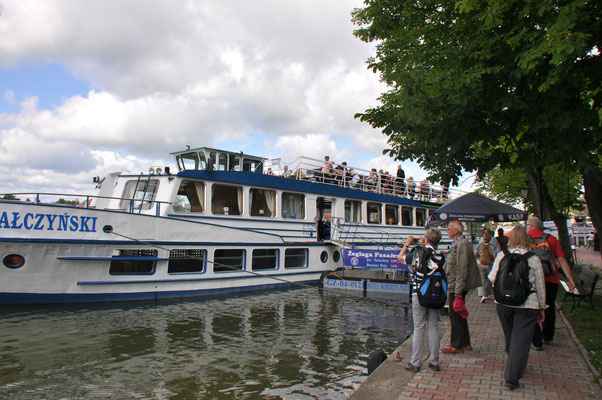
<point x="294" y="344"/>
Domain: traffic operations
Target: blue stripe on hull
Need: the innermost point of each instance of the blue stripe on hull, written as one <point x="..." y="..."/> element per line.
<point x="34" y="298"/>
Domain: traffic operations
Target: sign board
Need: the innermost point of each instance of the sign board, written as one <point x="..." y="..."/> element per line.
<point x="387" y="287"/>
<point x="343" y="284"/>
<point x="353" y="258"/>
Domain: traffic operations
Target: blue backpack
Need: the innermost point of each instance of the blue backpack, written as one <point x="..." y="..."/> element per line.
<point x="431" y="283"/>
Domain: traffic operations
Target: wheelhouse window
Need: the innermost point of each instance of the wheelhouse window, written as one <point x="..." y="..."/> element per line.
<point x="293" y="205"/>
<point x="226" y="200"/>
<point x="265" y="259"/>
<point x="228" y="260"/>
<point x="391" y="214"/>
<point x="420" y="217"/>
<point x="190" y="197"/>
<point x="295" y="258"/>
<point x="262" y="202"/>
<point x="374" y="213"/>
<point x="406" y="216"/>
<point x="186" y="261"/>
<point x="353" y="211"/>
<point x="139" y="193"/>
<point x="133" y="262"/>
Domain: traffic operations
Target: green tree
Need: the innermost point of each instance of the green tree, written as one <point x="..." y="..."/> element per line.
<point x="477" y="85"/>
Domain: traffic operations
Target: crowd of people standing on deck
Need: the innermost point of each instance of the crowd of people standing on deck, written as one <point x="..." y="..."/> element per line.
<point x="526" y="323"/>
<point x="378" y="181"/>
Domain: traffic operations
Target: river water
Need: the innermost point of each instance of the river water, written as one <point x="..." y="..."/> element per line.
<point x="290" y="344"/>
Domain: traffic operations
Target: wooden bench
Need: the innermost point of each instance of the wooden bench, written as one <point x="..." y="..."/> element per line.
<point x="585" y="286"/>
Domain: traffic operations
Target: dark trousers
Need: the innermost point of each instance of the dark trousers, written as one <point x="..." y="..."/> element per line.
<point x="460" y="336"/>
<point x="546" y="331"/>
<point x="518" y="325"/>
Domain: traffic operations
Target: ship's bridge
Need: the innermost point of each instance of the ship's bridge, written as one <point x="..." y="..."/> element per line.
<point x="206" y="158"/>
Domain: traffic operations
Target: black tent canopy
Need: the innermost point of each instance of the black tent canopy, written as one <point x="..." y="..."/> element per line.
<point x="473" y="207"/>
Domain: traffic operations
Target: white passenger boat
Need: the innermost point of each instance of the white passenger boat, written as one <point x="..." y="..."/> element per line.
<point x="219" y="224"/>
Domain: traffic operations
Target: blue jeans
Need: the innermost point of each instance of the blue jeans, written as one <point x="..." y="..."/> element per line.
<point x="422" y="317"/>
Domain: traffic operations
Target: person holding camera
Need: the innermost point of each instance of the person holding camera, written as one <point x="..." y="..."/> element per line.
<point x="421" y="315"/>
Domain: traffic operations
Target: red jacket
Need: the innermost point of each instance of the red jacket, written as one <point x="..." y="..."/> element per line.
<point x="556" y="248"/>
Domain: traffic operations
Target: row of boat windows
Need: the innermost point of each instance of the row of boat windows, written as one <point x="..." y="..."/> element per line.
<point x="182" y="261"/>
<point x="228" y="200"/>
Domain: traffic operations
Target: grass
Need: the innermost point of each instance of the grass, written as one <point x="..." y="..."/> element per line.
<point x="586" y="323"/>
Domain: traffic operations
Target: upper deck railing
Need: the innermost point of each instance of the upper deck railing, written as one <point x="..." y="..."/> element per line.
<point x="361" y="179"/>
<point x="135" y="205"/>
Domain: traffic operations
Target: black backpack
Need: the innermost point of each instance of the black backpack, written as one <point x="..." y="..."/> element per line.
<point x="432" y="285"/>
<point x="512" y="286"/>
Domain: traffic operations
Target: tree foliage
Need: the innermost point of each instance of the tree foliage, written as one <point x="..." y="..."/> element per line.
<point x="483" y="84"/>
<point x="471" y="78"/>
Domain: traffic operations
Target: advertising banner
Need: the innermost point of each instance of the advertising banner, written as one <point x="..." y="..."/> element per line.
<point x="353" y="258"/>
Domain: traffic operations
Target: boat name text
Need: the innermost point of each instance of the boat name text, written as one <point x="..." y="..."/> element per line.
<point x="47" y="222"/>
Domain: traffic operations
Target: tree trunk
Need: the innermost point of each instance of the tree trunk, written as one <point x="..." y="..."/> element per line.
<point x="592" y="183"/>
<point x="549" y="209"/>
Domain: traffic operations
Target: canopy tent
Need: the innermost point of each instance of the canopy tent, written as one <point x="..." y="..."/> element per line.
<point x="473" y="207"/>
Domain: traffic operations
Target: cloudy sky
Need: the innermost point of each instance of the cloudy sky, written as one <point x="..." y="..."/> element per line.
<point x="96" y="86"/>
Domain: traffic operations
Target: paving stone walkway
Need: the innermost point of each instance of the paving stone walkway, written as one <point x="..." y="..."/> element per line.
<point x="560" y="371"/>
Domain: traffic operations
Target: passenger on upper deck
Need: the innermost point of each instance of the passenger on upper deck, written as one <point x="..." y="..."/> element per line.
<point x="269" y="172"/>
<point x="411" y="187"/>
<point x="400" y="185"/>
<point x="326" y="169"/>
<point x="372" y="179"/>
<point x="286" y="173"/>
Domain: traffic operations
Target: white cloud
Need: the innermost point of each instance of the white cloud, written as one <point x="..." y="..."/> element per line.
<point x="9" y="96"/>
<point x="197" y="72"/>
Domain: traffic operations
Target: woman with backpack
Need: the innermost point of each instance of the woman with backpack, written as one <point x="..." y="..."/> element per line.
<point x="520" y="296"/>
<point x="485" y="255"/>
<point x="425" y="262"/>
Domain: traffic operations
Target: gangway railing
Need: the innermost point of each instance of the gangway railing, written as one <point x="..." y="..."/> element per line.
<point x="348" y="234"/>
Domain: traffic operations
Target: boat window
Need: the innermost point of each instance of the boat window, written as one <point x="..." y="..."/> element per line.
<point x="406" y="216"/>
<point x="391" y="214"/>
<point x="222" y="162"/>
<point x="374" y="213"/>
<point x="186" y="260"/>
<point x="420" y="217"/>
<point x="139" y="193"/>
<point x="251" y="165"/>
<point x="226" y="260"/>
<point x="265" y="259"/>
<point x="190" y="197"/>
<point x="234" y="162"/>
<point x="226" y="200"/>
<point x="295" y="258"/>
<point x="133" y="262"/>
<point x="189" y="161"/>
<point x="353" y="211"/>
<point x="263" y="202"/>
<point x="293" y="205"/>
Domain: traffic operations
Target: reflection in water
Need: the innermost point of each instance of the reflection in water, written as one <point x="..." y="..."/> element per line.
<point x="285" y="344"/>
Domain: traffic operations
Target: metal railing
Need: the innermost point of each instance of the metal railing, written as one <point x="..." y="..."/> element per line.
<point x="345" y="232"/>
<point x="87" y="203"/>
<point x="305" y="168"/>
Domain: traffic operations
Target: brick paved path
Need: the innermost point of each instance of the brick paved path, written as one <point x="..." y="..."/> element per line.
<point x="558" y="372"/>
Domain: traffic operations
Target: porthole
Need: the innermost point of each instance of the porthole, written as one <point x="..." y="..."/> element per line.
<point x="13" y="261"/>
<point x="324" y="256"/>
<point x="336" y="256"/>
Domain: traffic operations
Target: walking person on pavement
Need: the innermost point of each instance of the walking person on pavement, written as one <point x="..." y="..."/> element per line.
<point x="485" y="255"/>
<point x="423" y="316"/>
<point x="545" y="333"/>
<point x="462" y="275"/>
<point x="519" y="322"/>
